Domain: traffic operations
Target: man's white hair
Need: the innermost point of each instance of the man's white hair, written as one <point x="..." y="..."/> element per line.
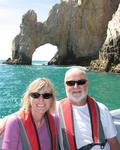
<point x="73" y="69"/>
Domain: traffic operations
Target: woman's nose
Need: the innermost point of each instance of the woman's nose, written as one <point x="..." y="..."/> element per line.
<point x="41" y="98"/>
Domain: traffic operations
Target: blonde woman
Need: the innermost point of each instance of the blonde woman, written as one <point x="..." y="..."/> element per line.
<point x="35" y="126"/>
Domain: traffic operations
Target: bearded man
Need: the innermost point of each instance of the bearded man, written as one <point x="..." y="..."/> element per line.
<point x="86" y="123"/>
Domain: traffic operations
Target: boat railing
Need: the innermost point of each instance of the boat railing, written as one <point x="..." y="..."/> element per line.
<point x="116" y="119"/>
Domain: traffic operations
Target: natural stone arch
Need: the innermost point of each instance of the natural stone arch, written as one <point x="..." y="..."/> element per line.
<point x="78" y="30"/>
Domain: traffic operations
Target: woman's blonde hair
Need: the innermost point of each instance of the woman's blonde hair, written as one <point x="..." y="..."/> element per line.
<point x="36" y="86"/>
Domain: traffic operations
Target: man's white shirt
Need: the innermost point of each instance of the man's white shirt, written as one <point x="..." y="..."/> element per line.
<point x="82" y="125"/>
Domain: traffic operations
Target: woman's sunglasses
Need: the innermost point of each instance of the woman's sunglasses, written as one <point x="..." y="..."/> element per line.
<point x="78" y="82"/>
<point x="44" y="95"/>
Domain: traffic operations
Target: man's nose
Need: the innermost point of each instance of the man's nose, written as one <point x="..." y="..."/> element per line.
<point x="76" y="85"/>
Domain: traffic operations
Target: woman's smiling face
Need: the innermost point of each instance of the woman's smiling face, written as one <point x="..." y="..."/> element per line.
<point x="41" y="104"/>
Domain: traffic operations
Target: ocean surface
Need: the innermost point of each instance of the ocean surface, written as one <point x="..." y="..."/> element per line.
<point x="104" y="87"/>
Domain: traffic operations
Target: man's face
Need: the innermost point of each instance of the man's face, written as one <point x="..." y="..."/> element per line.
<point x="76" y="91"/>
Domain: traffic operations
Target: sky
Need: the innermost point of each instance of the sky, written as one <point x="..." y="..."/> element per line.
<point x="11" y="12"/>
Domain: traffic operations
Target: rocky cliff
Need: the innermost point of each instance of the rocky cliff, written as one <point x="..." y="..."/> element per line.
<point x="109" y="55"/>
<point x="77" y="27"/>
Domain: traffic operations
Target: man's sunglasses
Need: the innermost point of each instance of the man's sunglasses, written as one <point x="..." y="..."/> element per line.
<point x="78" y="82"/>
<point x="44" y="95"/>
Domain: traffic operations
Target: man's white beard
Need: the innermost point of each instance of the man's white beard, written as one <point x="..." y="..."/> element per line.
<point x="79" y="98"/>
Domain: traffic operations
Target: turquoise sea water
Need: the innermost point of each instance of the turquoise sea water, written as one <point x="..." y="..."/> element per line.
<point x="14" y="79"/>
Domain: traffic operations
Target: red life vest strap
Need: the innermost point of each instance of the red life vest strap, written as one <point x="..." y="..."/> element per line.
<point x="52" y="128"/>
<point x="96" y="124"/>
<point x="31" y="132"/>
<point x="67" y="125"/>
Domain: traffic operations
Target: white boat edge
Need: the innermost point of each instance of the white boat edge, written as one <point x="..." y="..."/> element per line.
<point x="116" y="119"/>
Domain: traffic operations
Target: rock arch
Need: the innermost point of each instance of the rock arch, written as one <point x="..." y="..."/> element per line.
<point x="78" y="30"/>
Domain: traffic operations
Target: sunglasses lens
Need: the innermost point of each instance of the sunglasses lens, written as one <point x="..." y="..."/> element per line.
<point x="70" y="83"/>
<point x="81" y="82"/>
<point x="47" y="95"/>
<point x="35" y="95"/>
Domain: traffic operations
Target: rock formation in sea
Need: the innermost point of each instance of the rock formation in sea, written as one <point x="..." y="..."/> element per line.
<point x="77" y="27"/>
<point x="109" y="55"/>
